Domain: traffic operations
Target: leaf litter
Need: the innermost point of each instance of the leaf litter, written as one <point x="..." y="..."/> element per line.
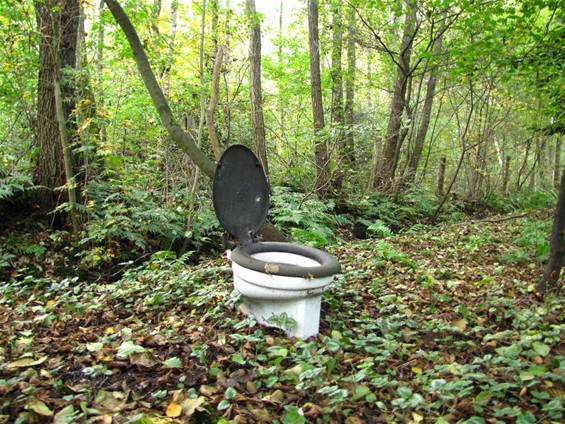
<point x="437" y="325"/>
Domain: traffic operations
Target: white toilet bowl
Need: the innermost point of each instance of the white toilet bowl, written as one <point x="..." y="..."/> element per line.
<point x="282" y="283"/>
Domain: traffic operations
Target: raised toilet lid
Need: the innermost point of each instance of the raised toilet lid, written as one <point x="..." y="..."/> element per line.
<point x="240" y="193"/>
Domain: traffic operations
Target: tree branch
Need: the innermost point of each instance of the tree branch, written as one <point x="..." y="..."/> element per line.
<point x="183" y="140"/>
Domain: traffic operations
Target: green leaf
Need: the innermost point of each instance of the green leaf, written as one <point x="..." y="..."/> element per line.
<point x="39" y="407"/>
<point x="238" y="359"/>
<point x="526" y="418"/>
<point x="361" y="392"/>
<point x="94" y="347"/>
<point x="230" y="393"/>
<point x="173" y="362"/>
<point x="65" y="415"/>
<point x="293" y="416"/>
<point x="541" y="348"/>
<point x="509" y="351"/>
<point x="224" y="404"/>
<point x="129" y="347"/>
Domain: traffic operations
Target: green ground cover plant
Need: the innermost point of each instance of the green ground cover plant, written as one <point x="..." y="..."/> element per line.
<point x="432" y="325"/>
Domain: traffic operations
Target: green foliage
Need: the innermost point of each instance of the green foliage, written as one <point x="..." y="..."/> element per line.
<point x="125" y="222"/>
<point x="379" y="215"/>
<point x="532" y="200"/>
<point x="534" y="237"/>
<point x="307" y="219"/>
<point x="13" y="187"/>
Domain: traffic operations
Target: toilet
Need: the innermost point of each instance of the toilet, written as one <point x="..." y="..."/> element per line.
<point x="281" y="283"/>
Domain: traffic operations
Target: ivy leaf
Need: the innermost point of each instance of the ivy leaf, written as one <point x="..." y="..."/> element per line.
<point x="129" y="347"/>
<point x="293" y="416"/>
<point x="172" y="363"/>
<point x="224" y="404"/>
<point x="230" y="393"/>
<point x="94" y="347"/>
<point x="541" y="348"/>
<point x="65" y="415"/>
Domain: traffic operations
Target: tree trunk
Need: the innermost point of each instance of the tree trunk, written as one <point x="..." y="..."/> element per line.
<point x="338" y="119"/>
<point x="389" y="158"/>
<point x="557" y="161"/>
<point x="257" y="119"/>
<point x="214" y="102"/>
<point x="550" y="279"/>
<point x="506" y="177"/>
<point x="350" y="90"/>
<point x="426" y="116"/>
<point x="320" y="147"/>
<point x="50" y="170"/>
<point x="441" y="178"/>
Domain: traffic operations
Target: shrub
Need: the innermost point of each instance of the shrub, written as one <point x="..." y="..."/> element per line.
<point x="124" y="223"/>
<point x="308" y="219"/>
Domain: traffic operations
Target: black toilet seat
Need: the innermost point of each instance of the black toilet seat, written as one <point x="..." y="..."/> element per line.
<point x="240" y="193"/>
<point x="329" y="265"/>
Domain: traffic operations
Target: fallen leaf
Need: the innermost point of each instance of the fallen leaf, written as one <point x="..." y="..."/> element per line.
<point x="65" y="415"/>
<point x="251" y="388"/>
<point x="208" y="391"/>
<point x="94" y="347"/>
<point x="276" y="397"/>
<point x="110" y="401"/>
<point x="26" y="362"/>
<point x="417" y="418"/>
<point x="174" y="410"/>
<point x="143" y="359"/>
<point x="191" y="405"/>
<point x="460" y="324"/>
<point x="128" y="347"/>
<point x="39" y="407"/>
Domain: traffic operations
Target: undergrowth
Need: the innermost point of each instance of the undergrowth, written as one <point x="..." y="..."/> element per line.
<point x="428" y="326"/>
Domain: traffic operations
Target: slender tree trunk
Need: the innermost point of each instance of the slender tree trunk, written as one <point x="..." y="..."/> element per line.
<point x="441" y="177"/>
<point x="320" y="146"/>
<point x="557" y="161"/>
<point x="214" y="102"/>
<point x="389" y="158"/>
<point x="67" y="155"/>
<point x="257" y="119"/>
<point x="426" y="116"/>
<point x="465" y="147"/>
<point x="350" y="89"/>
<point x="374" y="180"/>
<point x="338" y="118"/>
<point x="183" y="140"/>
<point x="550" y="279"/>
<point x="506" y="177"/>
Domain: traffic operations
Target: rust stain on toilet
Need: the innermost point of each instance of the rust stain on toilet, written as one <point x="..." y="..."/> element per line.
<point x="271" y="268"/>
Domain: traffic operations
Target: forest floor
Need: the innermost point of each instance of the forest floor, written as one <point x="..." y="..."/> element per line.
<point x="437" y="324"/>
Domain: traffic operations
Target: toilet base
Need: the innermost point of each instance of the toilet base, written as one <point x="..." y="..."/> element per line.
<point x="297" y="318"/>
